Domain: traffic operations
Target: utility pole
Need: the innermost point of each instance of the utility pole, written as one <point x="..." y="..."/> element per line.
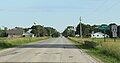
<point x="74" y="31"/>
<point x="81" y="28"/>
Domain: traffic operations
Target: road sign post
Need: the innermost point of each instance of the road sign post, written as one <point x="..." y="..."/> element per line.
<point x="104" y="36"/>
<point x="104" y="27"/>
<point x="114" y="31"/>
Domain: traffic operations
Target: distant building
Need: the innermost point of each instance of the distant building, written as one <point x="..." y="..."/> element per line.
<point x="28" y="34"/>
<point x="19" y="32"/>
<point x="16" y="32"/>
<point x="99" y="35"/>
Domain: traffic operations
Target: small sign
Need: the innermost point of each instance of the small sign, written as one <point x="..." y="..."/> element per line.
<point x="104" y="27"/>
<point x="114" y="30"/>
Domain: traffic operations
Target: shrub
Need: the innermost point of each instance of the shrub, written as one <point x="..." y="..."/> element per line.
<point x="90" y="44"/>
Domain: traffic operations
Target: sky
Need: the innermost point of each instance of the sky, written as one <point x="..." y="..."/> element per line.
<point x="58" y="13"/>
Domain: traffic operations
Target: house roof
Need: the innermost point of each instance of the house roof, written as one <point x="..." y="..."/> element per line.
<point x="15" y="32"/>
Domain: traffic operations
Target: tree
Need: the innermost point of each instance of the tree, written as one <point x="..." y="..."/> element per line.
<point x="56" y="34"/>
<point x="52" y="32"/>
<point x="26" y="29"/>
<point x="69" y="31"/>
<point x="87" y="29"/>
<point x="38" y="30"/>
<point x="65" y="33"/>
<point x="3" y="33"/>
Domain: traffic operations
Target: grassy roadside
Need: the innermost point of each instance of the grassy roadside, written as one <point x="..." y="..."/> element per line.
<point x="101" y="51"/>
<point x="12" y="42"/>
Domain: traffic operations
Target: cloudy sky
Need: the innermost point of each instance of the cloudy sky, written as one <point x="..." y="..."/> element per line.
<point x="58" y="13"/>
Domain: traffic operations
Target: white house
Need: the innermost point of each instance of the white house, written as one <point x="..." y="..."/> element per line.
<point x="99" y="35"/>
<point x="28" y="34"/>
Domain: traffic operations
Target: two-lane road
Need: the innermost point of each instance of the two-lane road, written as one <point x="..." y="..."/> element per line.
<point x="56" y="50"/>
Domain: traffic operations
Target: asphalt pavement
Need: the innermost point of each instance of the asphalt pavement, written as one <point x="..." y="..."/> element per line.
<point x="55" y="50"/>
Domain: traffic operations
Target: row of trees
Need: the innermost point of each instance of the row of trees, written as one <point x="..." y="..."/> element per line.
<point x="87" y="30"/>
<point x="69" y="31"/>
<point x="37" y="30"/>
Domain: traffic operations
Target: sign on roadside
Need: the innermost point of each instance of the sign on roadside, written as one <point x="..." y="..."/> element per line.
<point x="104" y="27"/>
<point x="114" y="30"/>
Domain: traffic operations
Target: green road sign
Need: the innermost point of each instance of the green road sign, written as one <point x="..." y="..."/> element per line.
<point x="104" y="27"/>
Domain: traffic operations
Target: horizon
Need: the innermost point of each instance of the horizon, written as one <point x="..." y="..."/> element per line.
<point x="57" y="29"/>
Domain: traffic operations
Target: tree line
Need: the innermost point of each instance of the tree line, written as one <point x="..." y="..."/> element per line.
<point x="87" y="30"/>
<point x="37" y="30"/>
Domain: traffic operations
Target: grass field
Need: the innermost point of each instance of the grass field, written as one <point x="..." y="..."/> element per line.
<point x="108" y="51"/>
<point x="11" y="42"/>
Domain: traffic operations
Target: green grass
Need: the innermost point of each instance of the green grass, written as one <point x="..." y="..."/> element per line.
<point x="108" y="52"/>
<point x="12" y="42"/>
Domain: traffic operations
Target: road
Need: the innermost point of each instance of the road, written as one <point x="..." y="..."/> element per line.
<point x="55" y="50"/>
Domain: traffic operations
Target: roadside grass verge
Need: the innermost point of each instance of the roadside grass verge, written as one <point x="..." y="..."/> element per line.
<point x="108" y="52"/>
<point x="12" y="42"/>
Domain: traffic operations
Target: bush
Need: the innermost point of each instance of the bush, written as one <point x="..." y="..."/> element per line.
<point x="90" y="44"/>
